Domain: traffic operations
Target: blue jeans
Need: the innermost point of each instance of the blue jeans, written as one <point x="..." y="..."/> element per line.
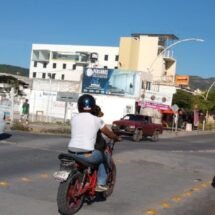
<point x="97" y="158"/>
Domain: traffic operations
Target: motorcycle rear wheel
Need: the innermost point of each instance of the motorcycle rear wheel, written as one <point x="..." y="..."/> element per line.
<point x="67" y="199"/>
<point x="111" y="180"/>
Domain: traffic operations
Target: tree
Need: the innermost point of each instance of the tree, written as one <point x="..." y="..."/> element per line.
<point x="183" y="99"/>
<point x="189" y="101"/>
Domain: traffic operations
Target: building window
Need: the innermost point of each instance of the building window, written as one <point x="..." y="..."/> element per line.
<point x="106" y="57"/>
<point x="117" y="58"/>
<point x="49" y="75"/>
<point x="148" y="85"/>
<point x="64" y="66"/>
<point x="143" y="85"/>
<point x="105" y="67"/>
<point x="53" y="75"/>
<point x="116" y="67"/>
<point x="34" y="74"/>
<point x="44" y="75"/>
<point x="35" y="64"/>
<point x="44" y="65"/>
<point x="54" y="65"/>
<point x="62" y="77"/>
<point x="74" y="66"/>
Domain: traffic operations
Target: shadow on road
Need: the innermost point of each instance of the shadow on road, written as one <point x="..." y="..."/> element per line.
<point x="5" y="136"/>
<point x="98" y="198"/>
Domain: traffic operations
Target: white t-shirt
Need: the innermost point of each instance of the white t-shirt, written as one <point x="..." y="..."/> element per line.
<point x="84" y="128"/>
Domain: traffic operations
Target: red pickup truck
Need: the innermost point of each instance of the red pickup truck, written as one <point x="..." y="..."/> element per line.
<point x="137" y="126"/>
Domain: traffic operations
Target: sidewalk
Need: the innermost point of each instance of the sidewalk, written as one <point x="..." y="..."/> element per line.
<point x="42" y="128"/>
<point x="64" y="129"/>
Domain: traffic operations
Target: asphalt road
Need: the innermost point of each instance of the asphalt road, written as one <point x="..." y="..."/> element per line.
<point x="169" y="177"/>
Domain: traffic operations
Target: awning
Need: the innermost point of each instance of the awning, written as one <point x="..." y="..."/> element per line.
<point x="168" y="111"/>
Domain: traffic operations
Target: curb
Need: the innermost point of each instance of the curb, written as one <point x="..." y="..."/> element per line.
<point x="169" y="134"/>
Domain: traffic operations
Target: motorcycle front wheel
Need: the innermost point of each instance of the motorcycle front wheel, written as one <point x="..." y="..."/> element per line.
<point x="68" y="200"/>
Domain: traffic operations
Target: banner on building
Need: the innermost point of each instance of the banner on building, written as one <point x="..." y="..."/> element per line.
<point x="5" y="108"/>
<point x="111" y="82"/>
<point x="196" y="118"/>
<point x="156" y="100"/>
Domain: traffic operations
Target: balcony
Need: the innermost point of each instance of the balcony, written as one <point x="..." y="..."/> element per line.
<point x="41" y="55"/>
<point x="168" y="80"/>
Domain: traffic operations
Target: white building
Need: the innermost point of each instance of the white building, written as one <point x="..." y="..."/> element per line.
<point x="59" y="68"/>
<point x="54" y="66"/>
<point x="66" y="62"/>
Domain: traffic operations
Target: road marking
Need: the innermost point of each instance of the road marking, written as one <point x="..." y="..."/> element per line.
<point x="165" y="205"/>
<point x="187" y="193"/>
<point x="151" y="212"/>
<point x="196" y="151"/>
<point x="176" y="198"/>
<point x="44" y="175"/>
<point x="119" y="161"/>
<point x="209" y="182"/>
<point x="4" y="184"/>
<point x="204" y="184"/>
<point x="7" y="142"/>
<point x="196" y="188"/>
<point x="25" y="179"/>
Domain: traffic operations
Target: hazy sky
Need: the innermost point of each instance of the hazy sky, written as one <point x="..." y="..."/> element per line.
<point x="103" y="22"/>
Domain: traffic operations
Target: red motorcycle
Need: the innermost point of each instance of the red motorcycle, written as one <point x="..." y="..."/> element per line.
<point x="78" y="181"/>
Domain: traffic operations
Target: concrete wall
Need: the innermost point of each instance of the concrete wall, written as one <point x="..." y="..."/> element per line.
<point x="115" y="107"/>
<point x="45" y="107"/>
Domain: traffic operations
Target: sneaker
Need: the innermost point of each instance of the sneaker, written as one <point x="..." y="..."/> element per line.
<point x="101" y="188"/>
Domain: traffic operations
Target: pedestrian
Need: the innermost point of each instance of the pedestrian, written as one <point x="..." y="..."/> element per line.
<point x="25" y="111"/>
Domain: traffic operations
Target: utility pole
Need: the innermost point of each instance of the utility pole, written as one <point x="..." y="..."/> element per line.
<point x="12" y="106"/>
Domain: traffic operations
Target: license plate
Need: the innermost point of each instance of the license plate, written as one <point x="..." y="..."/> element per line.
<point x="61" y="175"/>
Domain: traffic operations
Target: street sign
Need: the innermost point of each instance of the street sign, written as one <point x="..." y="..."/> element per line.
<point x="175" y="107"/>
<point x="67" y="96"/>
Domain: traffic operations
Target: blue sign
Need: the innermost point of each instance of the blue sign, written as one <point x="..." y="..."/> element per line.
<point x="111" y="82"/>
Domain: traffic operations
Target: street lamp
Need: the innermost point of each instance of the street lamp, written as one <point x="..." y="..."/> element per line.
<point x="209" y="89"/>
<point x="205" y="98"/>
<point x="170" y="46"/>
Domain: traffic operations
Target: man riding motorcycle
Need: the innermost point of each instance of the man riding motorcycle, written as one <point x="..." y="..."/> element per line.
<point x="84" y="128"/>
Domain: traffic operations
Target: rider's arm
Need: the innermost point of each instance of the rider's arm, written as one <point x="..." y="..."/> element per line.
<point x="106" y="131"/>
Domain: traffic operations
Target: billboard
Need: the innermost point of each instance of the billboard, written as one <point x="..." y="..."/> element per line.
<point x="182" y="80"/>
<point x="111" y="82"/>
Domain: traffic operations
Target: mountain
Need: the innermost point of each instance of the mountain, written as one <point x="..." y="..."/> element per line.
<point x="197" y="82"/>
<point x="15" y="70"/>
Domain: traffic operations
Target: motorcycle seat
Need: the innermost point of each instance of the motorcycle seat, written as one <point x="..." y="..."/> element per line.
<point x="78" y="159"/>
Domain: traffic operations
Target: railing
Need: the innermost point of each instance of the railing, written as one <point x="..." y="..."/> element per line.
<point x="166" y="80"/>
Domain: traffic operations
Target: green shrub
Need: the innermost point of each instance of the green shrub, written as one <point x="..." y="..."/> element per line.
<point x="62" y="130"/>
<point x="19" y="126"/>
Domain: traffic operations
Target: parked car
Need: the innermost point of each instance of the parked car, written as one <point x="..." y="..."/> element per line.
<point x="137" y="126"/>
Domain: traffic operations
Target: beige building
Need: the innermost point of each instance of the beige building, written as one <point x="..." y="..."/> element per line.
<point x="149" y="53"/>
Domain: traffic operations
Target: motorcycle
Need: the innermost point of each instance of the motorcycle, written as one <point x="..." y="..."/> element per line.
<point x="78" y="180"/>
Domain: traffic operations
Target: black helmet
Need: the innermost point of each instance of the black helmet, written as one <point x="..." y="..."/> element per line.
<point x="86" y="103"/>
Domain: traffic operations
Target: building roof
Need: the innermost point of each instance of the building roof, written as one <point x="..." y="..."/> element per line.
<point x="22" y="79"/>
<point x="161" y="36"/>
